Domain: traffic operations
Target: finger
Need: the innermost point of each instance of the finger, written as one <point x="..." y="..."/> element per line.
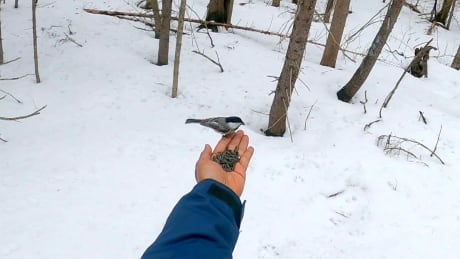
<point x="245" y="159"/>
<point x="223" y="143"/>
<point x="206" y="153"/>
<point x="235" y="142"/>
<point x="243" y="145"/>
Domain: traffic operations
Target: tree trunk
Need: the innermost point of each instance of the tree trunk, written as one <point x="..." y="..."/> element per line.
<point x="442" y="15"/>
<point x="276" y="3"/>
<point x="1" y="39"/>
<point x="16" y="3"/>
<point x="163" y="48"/>
<point x="456" y="61"/>
<point x="335" y="34"/>
<point x="34" y="31"/>
<point x="156" y="17"/>
<point x="357" y="80"/>
<point x="219" y="11"/>
<point x="291" y="67"/>
<point x="180" y="31"/>
<point x="451" y="14"/>
<point x="328" y="11"/>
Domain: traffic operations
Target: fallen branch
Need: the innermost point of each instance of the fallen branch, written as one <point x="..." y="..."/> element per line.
<point x="412" y="7"/>
<point x="15" y="78"/>
<point x="395" y="144"/>
<point x="390" y="95"/>
<point x="227" y="25"/>
<point x="12" y="96"/>
<point x="9" y="61"/>
<point x="24" y="116"/>
<point x="217" y="63"/>
<point x="4" y="140"/>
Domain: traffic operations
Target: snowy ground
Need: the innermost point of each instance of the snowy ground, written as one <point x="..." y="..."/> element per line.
<point x="96" y="174"/>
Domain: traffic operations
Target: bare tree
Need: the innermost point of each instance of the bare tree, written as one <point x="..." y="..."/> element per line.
<point x="335" y="34"/>
<point x="1" y="39"/>
<point x="291" y="68"/>
<point x="34" y="31"/>
<point x="359" y="77"/>
<point x="180" y="31"/>
<point x="163" y="48"/>
<point x="443" y="14"/>
<point x="328" y="11"/>
<point x="456" y="61"/>
<point x="276" y="3"/>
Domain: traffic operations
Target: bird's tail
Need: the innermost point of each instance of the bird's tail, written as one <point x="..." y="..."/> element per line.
<point x="192" y="121"/>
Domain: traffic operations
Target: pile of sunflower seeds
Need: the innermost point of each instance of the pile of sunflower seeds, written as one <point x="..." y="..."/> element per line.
<point x="227" y="159"/>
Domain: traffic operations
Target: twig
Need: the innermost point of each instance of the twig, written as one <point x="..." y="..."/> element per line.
<point x="15" y="78"/>
<point x="412" y="7"/>
<point x="367" y="126"/>
<point x="395" y="144"/>
<point x="308" y="115"/>
<point x="364" y="102"/>
<point x="5" y="92"/>
<point x="422" y="117"/>
<point x="335" y="194"/>
<point x="4" y="140"/>
<point x="287" y="119"/>
<point x="9" y="61"/>
<point x="24" y="116"/>
<point x="210" y="59"/>
<point x="72" y="40"/>
<point x="437" y="141"/>
<point x="390" y="95"/>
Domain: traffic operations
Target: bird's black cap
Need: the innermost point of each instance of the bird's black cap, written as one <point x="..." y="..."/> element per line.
<point x="234" y="119"/>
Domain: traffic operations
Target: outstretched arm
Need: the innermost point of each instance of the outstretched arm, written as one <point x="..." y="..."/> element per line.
<point x="205" y="222"/>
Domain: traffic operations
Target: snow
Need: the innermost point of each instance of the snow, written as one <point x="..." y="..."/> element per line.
<point x="97" y="172"/>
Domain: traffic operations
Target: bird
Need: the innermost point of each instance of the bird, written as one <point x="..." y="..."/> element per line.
<point x="223" y="125"/>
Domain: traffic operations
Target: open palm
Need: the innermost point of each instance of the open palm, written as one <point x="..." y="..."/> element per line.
<point x="206" y="168"/>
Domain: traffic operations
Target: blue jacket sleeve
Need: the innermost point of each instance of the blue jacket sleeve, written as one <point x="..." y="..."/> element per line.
<point x="203" y="224"/>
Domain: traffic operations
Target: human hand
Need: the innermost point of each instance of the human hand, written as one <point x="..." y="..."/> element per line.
<point x="206" y="168"/>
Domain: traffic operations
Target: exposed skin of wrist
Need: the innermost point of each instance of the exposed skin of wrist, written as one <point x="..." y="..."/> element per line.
<point x="206" y="168"/>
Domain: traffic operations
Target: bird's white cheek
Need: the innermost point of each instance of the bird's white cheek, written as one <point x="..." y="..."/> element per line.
<point x="234" y="125"/>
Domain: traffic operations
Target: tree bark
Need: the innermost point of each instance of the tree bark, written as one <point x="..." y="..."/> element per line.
<point x="443" y="14"/>
<point x="163" y="48"/>
<point x="328" y="11"/>
<point x="16" y="3"/>
<point x="359" y="77"/>
<point x="180" y="31"/>
<point x="335" y="34"/>
<point x="291" y="67"/>
<point x="156" y="17"/>
<point x="1" y="39"/>
<point x="451" y="14"/>
<point x="276" y="3"/>
<point x="218" y="11"/>
<point x="456" y="61"/>
<point x="34" y="31"/>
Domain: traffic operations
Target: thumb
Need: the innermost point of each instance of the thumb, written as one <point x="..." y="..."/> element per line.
<point x="206" y="153"/>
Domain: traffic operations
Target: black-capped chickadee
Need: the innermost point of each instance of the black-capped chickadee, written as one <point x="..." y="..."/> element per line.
<point x="223" y="125"/>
